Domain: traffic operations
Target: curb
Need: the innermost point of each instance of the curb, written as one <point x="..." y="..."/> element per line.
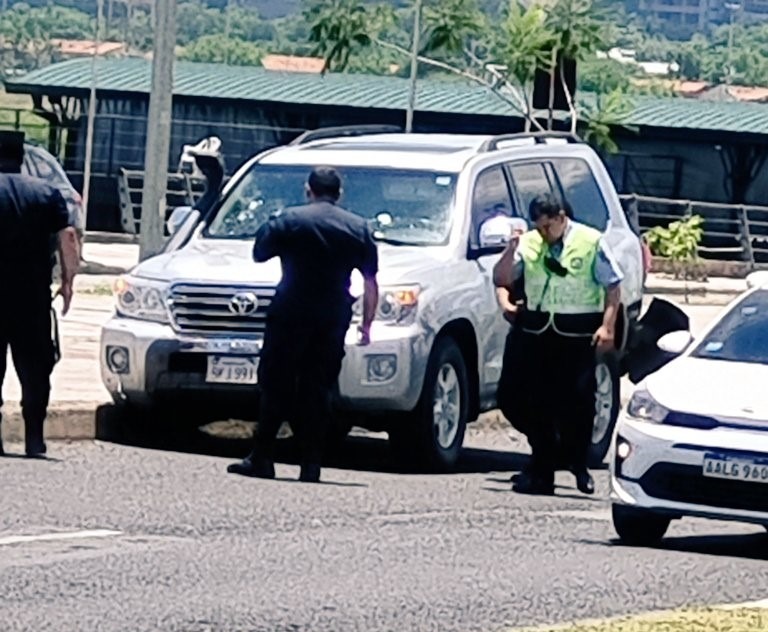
<point x="66" y="421"/>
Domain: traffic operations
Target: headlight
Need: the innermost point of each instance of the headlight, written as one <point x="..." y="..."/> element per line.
<point x="142" y="298"/>
<point x="397" y="305"/>
<point x="643" y="406"/>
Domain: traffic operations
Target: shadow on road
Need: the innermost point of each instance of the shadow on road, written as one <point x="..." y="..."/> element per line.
<point x="233" y="440"/>
<point x="751" y="546"/>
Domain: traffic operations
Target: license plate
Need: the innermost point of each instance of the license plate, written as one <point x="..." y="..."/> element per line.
<point x="232" y="370"/>
<point x="736" y="469"/>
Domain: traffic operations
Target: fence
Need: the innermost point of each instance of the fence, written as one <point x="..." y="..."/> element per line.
<point x="731" y="232"/>
<point x="20" y="119"/>
<point x="182" y="190"/>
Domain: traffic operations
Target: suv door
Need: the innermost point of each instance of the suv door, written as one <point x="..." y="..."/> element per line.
<point x="490" y="198"/>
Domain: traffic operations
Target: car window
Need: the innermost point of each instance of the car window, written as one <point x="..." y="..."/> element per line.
<point x="490" y="198"/>
<point x="529" y="180"/>
<point x="411" y="207"/>
<point x="582" y="192"/>
<point x="741" y="335"/>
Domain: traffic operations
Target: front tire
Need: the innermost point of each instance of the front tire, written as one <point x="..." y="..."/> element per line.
<point x="607" y="407"/>
<point x="638" y="527"/>
<point x="432" y="435"/>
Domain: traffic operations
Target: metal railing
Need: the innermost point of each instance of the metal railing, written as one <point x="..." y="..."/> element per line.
<point x="183" y="190"/>
<point x="732" y="232"/>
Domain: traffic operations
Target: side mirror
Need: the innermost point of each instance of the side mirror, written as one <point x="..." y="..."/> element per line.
<point x="177" y="218"/>
<point x="675" y="342"/>
<point x="497" y="231"/>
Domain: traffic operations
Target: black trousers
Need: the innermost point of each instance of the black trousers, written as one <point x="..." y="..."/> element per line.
<point x="557" y="395"/>
<point x="513" y="371"/>
<point x="25" y="328"/>
<point x="298" y="372"/>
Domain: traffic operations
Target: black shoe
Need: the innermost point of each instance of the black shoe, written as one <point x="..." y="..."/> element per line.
<point x="35" y="449"/>
<point x="255" y="468"/>
<point x="534" y="485"/>
<point x="525" y="472"/>
<point x="584" y="482"/>
<point x="310" y="473"/>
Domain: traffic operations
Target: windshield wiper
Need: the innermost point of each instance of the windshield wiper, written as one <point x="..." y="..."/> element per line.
<point x="377" y="236"/>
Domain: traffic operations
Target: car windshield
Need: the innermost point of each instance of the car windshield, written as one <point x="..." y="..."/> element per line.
<point x="741" y="335"/>
<point x="403" y="206"/>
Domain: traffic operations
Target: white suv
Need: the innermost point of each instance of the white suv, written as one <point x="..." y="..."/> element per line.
<point x="189" y="322"/>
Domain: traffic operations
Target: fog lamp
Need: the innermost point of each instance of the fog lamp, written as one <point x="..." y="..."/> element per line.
<point x="118" y="360"/>
<point x="381" y="368"/>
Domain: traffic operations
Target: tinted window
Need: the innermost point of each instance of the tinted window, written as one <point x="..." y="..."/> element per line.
<point x="408" y="206"/>
<point x="581" y="191"/>
<point x="742" y="334"/>
<point x="490" y="198"/>
<point x="530" y="180"/>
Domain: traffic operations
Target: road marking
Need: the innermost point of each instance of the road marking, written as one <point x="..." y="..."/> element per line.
<point x="53" y="537"/>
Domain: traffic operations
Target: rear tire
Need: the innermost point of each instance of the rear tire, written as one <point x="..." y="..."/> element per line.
<point x="638" y="527"/>
<point x="607" y="407"/>
<point x="432" y="435"/>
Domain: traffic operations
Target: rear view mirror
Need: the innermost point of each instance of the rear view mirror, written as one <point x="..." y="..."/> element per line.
<point x="497" y="231"/>
<point x="675" y="342"/>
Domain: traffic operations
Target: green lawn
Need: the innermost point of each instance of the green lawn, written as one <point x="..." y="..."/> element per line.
<point x="16" y="110"/>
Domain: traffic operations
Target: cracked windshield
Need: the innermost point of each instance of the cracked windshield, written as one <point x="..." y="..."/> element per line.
<point x="403" y="206"/>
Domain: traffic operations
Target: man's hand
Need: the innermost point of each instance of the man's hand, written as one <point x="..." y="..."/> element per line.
<point x="364" y="334"/>
<point x="604" y="340"/>
<point x="66" y="292"/>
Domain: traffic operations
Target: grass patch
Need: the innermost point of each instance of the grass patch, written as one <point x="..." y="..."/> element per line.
<point x="699" y="620"/>
<point x="100" y="289"/>
<point x="16" y="113"/>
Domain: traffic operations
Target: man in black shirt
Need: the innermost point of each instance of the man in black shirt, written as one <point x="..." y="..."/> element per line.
<point x="33" y="216"/>
<point x="319" y="245"/>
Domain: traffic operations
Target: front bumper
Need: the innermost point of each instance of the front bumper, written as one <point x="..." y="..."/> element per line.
<point x="664" y="471"/>
<point x="386" y="375"/>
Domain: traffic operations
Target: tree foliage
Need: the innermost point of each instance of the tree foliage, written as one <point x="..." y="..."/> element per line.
<point x="219" y="49"/>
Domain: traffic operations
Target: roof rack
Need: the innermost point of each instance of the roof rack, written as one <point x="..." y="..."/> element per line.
<point x="345" y="131"/>
<point x="492" y="144"/>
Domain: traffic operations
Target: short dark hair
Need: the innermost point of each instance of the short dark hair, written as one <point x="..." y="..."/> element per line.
<point x="11" y="151"/>
<point x="547" y="205"/>
<point x="325" y="182"/>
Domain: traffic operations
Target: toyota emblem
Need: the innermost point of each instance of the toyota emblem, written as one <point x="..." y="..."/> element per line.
<point x="243" y="303"/>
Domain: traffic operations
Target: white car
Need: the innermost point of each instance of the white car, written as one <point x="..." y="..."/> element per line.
<point x="693" y="439"/>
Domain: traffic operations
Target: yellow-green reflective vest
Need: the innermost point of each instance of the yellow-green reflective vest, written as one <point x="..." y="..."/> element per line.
<point x="572" y="304"/>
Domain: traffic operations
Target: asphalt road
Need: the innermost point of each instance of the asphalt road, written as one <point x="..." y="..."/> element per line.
<point x="131" y="536"/>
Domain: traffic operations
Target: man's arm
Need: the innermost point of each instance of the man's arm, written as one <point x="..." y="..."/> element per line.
<point x="609" y="275"/>
<point x="369" y="268"/>
<point x="63" y="225"/>
<point x="69" y="262"/>
<point x="269" y="239"/>
<point x="509" y="267"/>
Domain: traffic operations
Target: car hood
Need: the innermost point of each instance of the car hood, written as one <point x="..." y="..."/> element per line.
<point x="230" y="261"/>
<point x="712" y="388"/>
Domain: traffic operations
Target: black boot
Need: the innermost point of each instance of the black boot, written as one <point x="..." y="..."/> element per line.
<point x="253" y="466"/>
<point x="34" y="444"/>
<point x="584" y="481"/>
<point x="310" y="473"/>
<point x="536" y="483"/>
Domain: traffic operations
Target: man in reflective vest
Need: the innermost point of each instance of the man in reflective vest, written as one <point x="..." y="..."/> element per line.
<point x="572" y="289"/>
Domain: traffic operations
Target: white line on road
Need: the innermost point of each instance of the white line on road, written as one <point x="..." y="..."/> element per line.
<point x="52" y="537"/>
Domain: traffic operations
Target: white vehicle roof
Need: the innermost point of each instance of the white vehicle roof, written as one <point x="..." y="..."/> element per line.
<point x="437" y="152"/>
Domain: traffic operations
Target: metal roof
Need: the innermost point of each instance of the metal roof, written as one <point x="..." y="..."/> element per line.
<point x="217" y="81"/>
<point x="252" y="83"/>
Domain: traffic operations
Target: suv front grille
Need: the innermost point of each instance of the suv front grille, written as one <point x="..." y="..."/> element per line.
<point x="210" y="309"/>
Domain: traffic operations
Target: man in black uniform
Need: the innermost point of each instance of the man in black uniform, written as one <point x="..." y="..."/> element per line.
<point x="33" y="215"/>
<point x="319" y="245"/>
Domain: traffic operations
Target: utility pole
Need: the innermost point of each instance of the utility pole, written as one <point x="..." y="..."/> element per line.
<point x="91" y="114"/>
<point x="158" y="131"/>
<point x="414" y="67"/>
<point x="732" y="7"/>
